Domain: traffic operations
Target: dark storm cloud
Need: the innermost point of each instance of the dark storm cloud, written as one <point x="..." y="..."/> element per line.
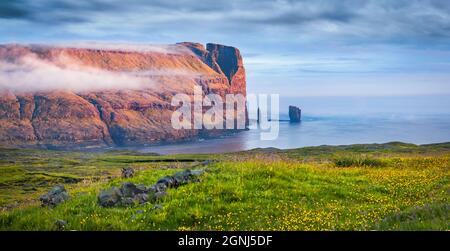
<point x="54" y="12"/>
<point x="13" y="9"/>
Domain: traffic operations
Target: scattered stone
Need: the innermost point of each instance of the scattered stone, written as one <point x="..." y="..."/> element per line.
<point x="55" y="196"/>
<point x="159" y="187"/>
<point x="140" y="211"/>
<point x="128" y="189"/>
<point x="127" y="172"/>
<point x="168" y="181"/>
<point x="141" y="189"/>
<point x="184" y="177"/>
<point x="129" y="193"/>
<point x="141" y="198"/>
<point x="198" y="172"/>
<point x="295" y="114"/>
<point x="127" y="201"/>
<point x="60" y="224"/>
<point x="158" y="195"/>
<point x="110" y="197"/>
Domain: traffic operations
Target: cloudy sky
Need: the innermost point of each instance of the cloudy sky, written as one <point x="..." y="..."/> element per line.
<point x="295" y="48"/>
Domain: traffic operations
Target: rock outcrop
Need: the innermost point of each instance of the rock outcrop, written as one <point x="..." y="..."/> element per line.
<point x="295" y="114"/>
<point x="129" y="193"/>
<point x="127" y="172"/>
<point x="54" y="197"/>
<point x="119" y="116"/>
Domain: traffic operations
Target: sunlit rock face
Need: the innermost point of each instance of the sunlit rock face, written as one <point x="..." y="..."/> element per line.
<point x="82" y="96"/>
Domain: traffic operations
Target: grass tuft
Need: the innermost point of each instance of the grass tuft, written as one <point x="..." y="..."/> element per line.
<point x="357" y="161"/>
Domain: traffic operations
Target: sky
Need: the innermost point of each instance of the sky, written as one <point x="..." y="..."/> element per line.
<point x="293" y="48"/>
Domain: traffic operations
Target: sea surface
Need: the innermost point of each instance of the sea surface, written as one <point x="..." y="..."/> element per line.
<point x="338" y="121"/>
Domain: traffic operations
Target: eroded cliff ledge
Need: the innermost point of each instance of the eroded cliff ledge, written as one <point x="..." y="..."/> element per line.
<point x="107" y="114"/>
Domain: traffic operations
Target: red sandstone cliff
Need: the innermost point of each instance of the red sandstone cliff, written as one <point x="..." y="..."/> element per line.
<point x="123" y="115"/>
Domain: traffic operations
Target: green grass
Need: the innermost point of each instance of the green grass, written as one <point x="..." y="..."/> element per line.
<point x="392" y="186"/>
<point x="357" y="161"/>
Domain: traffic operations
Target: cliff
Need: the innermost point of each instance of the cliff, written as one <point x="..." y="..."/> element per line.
<point x="74" y="96"/>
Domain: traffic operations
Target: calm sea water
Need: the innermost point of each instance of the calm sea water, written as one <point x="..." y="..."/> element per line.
<point x="339" y="121"/>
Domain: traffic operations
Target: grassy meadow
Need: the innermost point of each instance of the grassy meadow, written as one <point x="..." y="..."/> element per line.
<point x="393" y="186"/>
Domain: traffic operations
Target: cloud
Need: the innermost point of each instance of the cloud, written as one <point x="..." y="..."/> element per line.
<point x="384" y="36"/>
<point x="12" y="9"/>
<point x="53" y="12"/>
<point x="32" y="74"/>
<point x="348" y="21"/>
<point x="29" y="73"/>
<point x="385" y="17"/>
<point x="126" y="46"/>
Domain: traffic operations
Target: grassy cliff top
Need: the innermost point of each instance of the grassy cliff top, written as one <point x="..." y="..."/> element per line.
<point x="354" y="187"/>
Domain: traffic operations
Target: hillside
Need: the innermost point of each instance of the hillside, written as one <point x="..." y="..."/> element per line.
<point x="53" y="96"/>
<point x="392" y="186"/>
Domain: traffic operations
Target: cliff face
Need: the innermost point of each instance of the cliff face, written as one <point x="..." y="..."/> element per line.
<point x="225" y="60"/>
<point x="118" y="116"/>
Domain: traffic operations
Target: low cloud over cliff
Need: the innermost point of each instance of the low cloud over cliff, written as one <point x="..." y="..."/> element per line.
<point x="31" y="74"/>
<point x="40" y="70"/>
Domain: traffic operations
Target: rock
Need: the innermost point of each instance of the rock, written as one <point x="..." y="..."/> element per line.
<point x="188" y="176"/>
<point x="159" y="187"/>
<point x="60" y="224"/>
<point x="141" y="198"/>
<point x="168" y="181"/>
<point x="55" y="196"/>
<point x="130" y="193"/>
<point x="127" y="172"/>
<point x="295" y="114"/>
<point x="183" y="177"/>
<point x="140" y="188"/>
<point x="198" y="172"/>
<point x="110" y="197"/>
<point x="127" y="201"/>
<point x="128" y="189"/>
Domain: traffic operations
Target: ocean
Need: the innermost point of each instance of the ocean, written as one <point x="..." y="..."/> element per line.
<point x="338" y="121"/>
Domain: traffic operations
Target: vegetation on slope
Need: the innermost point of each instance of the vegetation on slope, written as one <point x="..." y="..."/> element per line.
<point x="392" y="186"/>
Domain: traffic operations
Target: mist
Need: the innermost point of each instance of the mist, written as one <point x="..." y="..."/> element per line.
<point x="30" y="74"/>
<point x="117" y="46"/>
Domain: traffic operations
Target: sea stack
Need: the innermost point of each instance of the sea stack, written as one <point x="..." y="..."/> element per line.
<point x="295" y="114"/>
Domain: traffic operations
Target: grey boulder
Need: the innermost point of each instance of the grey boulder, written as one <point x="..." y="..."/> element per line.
<point x="127" y="172"/>
<point x="55" y="196"/>
<point x="110" y="197"/>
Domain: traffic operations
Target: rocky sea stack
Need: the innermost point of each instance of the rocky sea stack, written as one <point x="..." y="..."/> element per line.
<point x="295" y="114"/>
